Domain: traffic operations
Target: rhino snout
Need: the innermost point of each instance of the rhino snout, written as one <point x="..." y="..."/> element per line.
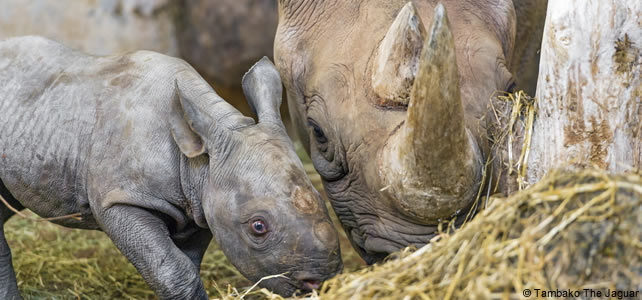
<point x="327" y="236"/>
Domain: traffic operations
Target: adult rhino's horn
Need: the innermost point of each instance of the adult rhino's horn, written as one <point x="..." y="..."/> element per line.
<point x="434" y="164"/>
<point x="397" y="58"/>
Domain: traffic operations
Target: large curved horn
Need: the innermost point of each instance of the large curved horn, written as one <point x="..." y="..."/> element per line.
<point x="434" y="163"/>
<point x="397" y="59"/>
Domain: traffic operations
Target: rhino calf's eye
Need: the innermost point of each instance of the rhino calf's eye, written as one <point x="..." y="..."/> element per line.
<point x="259" y="227"/>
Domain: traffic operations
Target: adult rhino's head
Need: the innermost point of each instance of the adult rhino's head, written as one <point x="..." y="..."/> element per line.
<point x="390" y="111"/>
<point x="256" y="198"/>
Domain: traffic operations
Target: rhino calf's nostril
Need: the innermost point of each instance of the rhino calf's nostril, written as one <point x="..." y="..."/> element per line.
<point x="311" y="284"/>
<point x="327" y="235"/>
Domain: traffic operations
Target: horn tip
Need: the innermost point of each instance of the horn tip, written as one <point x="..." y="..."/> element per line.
<point x="407" y="12"/>
<point x="440" y="26"/>
<point x="440" y="10"/>
<point x="440" y="16"/>
<point x="394" y="66"/>
<point x="408" y="6"/>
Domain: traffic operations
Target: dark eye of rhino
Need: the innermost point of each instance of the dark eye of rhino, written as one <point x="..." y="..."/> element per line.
<point x="318" y="133"/>
<point x="512" y="86"/>
<point x="259" y="227"/>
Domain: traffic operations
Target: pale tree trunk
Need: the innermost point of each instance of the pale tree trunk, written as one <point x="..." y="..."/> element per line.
<point x="589" y="110"/>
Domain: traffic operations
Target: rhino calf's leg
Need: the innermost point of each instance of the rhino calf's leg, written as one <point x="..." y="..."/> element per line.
<point x="144" y="239"/>
<point x="8" y="284"/>
<point x="195" y="245"/>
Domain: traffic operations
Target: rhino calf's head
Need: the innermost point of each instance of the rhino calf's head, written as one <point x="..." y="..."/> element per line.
<point x="256" y="198"/>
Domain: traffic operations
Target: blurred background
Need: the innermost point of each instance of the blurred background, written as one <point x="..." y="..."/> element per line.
<point x="221" y="39"/>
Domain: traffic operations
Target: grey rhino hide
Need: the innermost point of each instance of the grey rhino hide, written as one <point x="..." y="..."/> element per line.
<point x="389" y="98"/>
<point x="146" y="151"/>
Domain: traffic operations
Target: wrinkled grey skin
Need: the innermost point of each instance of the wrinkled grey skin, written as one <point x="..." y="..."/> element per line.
<point x="325" y="51"/>
<point x="148" y="153"/>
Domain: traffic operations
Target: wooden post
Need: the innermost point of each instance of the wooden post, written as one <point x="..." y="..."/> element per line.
<point x="588" y="91"/>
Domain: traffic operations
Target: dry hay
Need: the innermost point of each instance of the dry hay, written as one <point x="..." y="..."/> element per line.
<point x="510" y="128"/>
<point x="53" y="262"/>
<point x="573" y="230"/>
<point x="569" y="231"/>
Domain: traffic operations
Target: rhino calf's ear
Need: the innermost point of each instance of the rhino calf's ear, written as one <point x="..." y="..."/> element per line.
<point x="263" y="89"/>
<point x="189" y="124"/>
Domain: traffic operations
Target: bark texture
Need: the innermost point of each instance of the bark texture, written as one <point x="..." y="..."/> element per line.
<point x="589" y="88"/>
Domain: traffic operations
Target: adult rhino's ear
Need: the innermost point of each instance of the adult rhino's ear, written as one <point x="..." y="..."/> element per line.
<point x="189" y="124"/>
<point x="263" y="90"/>
<point x="397" y="59"/>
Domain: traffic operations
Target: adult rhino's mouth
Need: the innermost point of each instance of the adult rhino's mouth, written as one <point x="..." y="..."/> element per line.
<point x="377" y="249"/>
<point x="376" y="237"/>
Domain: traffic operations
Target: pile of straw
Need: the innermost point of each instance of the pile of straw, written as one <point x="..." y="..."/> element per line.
<point x="569" y="231"/>
<point x="573" y="230"/>
<point x="54" y="262"/>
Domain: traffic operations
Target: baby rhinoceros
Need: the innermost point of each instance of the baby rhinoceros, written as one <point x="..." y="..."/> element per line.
<point x="143" y="149"/>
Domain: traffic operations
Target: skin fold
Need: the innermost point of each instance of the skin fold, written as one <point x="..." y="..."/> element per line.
<point x="351" y="72"/>
<point x="147" y="152"/>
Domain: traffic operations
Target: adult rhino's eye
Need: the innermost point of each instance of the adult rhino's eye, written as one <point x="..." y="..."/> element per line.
<point x="512" y="86"/>
<point x="318" y="133"/>
<point x="259" y="227"/>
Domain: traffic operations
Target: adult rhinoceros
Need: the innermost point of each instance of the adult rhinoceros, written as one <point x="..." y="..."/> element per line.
<point x="389" y="98"/>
